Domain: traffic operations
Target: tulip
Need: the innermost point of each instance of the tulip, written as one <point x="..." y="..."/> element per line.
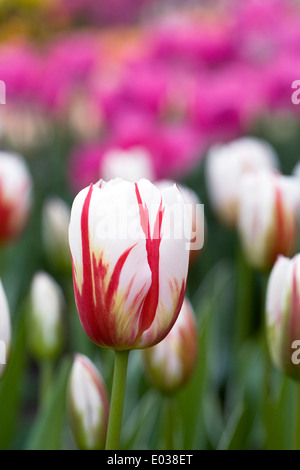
<point x="268" y="218"/>
<point x="130" y="252"/>
<point x="15" y="196"/>
<point x="226" y="164"/>
<point x="25" y="127"/>
<point x="45" y="317"/>
<point x="130" y="261"/>
<point x="83" y="104"/>
<point x="131" y="165"/>
<point x="170" y="363"/>
<point x="5" y="331"/>
<point x="283" y="314"/>
<point x="88" y="405"/>
<point x="55" y="225"/>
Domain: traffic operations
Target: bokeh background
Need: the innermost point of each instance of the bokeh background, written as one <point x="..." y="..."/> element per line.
<point x="171" y="78"/>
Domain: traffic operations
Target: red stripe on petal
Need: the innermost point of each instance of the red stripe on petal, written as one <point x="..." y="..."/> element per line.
<point x="180" y="298"/>
<point x="152" y="247"/>
<point x="179" y="302"/>
<point x="280" y="224"/>
<point x="115" y="278"/>
<point x="285" y="229"/>
<point x="104" y="324"/>
<point x="6" y="232"/>
<point x="13" y="216"/>
<point x="85" y="239"/>
<point x="85" y="300"/>
<point x="109" y="332"/>
<point x="90" y="311"/>
<point x="144" y="213"/>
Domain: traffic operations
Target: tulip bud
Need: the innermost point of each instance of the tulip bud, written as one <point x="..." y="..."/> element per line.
<point x="225" y="165"/>
<point x="25" y="127"/>
<point x="283" y="314"/>
<point x="88" y="405"/>
<point x="296" y="170"/>
<point x="15" y="196"/>
<point x="268" y="213"/>
<point x="5" y="331"/>
<point x="55" y="224"/>
<point x="45" y="317"/>
<point x="83" y="117"/>
<point x="170" y="363"/>
<point x="131" y="165"/>
<point x="130" y="252"/>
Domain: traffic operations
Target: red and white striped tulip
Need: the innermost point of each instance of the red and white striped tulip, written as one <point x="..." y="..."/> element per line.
<point x="15" y="196"/>
<point x="130" y="251"/>
<point x="268" y="217"/>
<point x="170" y="364"/>
<point x="226" y="164"/>
<point x="283" y="314"/>
<point x="5" y="331"/>
<point x="88" y="404"/>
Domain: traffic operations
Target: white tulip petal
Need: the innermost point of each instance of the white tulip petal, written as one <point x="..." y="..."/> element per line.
<point x="276" y="296"/>
<point x="5" y="331"/>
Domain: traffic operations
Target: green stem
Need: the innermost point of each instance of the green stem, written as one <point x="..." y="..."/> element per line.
<point x="46" y="373"/>
<point x="169" y="423"/>
<point x="297" y="417"/>
<point x="262" y="293"/>
<point x="2" y="261"/>
<point x="244" y="299"/>
<point x="117" y="400"/>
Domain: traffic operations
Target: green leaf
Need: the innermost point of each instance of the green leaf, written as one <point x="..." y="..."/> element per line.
<point x="209" y="299"/>
<point x="236" y="431"/>
<point x="141" y="428"/>
<point x="47" y="431"/>
<point x="11" y="385"/>
<point x="279" y="414"/>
